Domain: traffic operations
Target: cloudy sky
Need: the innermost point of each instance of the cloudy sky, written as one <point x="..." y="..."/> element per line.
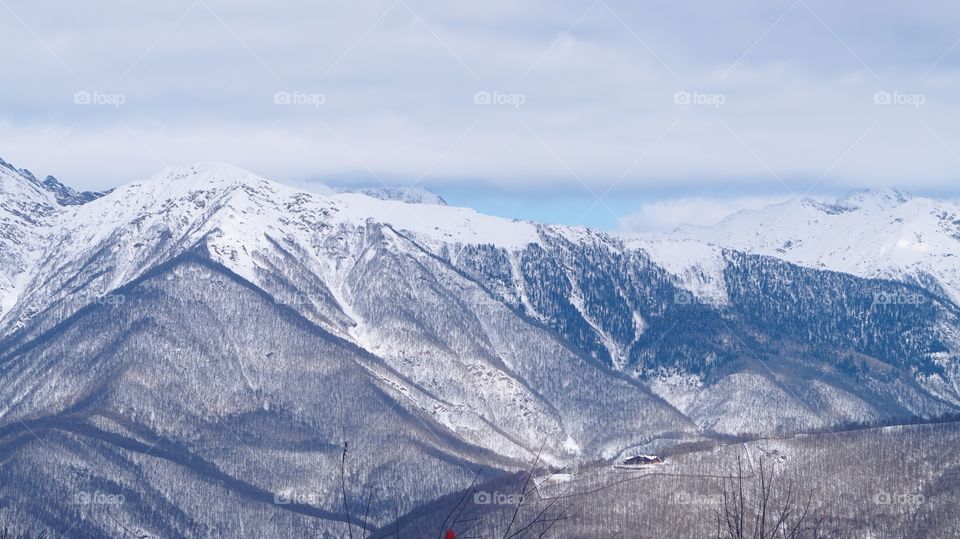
<point x="609" y="113"/>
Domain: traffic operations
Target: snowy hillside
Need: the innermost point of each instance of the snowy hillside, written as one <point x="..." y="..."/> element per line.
<point x="206" y="304"/>
<point x="356" y="266"/>
<point x="875" y="234"/>
<point x="411" y="195"/>
<point x="28" y="209"/>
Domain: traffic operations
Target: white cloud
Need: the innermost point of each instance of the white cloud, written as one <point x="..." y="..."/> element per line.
<point x="666" y="215"/>
<point x="399" y="87"/>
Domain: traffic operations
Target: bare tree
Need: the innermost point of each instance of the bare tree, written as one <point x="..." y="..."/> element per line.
<point x="363" y="524"/>
<point x="770" y="509"/>
<point x="546" y="518"/>
<point x="520" y="523"/>
<point x="343" y="489"/>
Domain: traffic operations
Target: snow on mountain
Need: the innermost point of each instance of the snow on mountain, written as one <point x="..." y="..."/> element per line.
<point x="206" y="305"/>
<point x="874" y="234"/>
<point x="67" y="196"/>
<point x="197" y="391"/>
<point x="29" y="209"/>
<point x="411" y="195"/>
<point x="365" y="269"/>
<point x="146" y="222"/>
<point x="418" y="285"/>
<point x="26" y="213"/>
<point x="697" y="265"/>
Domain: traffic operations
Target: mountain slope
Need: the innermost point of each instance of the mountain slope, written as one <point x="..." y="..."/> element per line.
<point x="411" y="195"/>
<point x="28" y="210"/>
<point x="181" y="330"/>
<point x="887" y="483"/>
<point x="454" y="295"/>
<point x="340" y="263"/>
<point x="874" y="234"/>
<point x="171" y="389"/>
<point x="780" y="326"/>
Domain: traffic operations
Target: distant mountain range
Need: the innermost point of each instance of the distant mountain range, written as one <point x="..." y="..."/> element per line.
<point x="874" y="234"/>
<point x="207" y="336"/>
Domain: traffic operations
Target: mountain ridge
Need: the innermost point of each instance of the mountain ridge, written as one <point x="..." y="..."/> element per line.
<point x="206" y="306"/>
<point x="873" y="234"/>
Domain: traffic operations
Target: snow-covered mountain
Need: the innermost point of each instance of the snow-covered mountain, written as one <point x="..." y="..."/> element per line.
<point x="221" y="317"/>
<point x="28" y="208"/>
<point x="333" y="259"/>
<point x="345" y="260"/>
<point x="875" y="234"/>
<point x="413" y="195"/>
<point x="216" y="314"/>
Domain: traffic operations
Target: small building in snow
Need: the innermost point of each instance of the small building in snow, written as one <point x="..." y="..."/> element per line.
<point x="641" y="460"/>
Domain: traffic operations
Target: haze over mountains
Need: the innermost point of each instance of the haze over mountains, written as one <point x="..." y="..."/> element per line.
<point x="207" y="334"/>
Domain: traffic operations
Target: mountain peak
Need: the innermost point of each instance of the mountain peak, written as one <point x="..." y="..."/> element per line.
<point x="68" y="196"/>
<point x="863" y="201"/>
<point x="877" y="198"/>
<point x="22" y="172"/>
<point x="215" y="174"/>
<point x="412" y="194"/>
<point x="64" y="195"/>
<point x="205" y="172"/>
<point x="181" y="180"/>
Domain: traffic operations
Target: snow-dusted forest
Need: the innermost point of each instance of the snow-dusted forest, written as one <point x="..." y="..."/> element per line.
<point x="209" y="353"/>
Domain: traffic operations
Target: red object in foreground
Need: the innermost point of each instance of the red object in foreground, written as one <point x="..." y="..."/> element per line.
<point x="450" y="534"/>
